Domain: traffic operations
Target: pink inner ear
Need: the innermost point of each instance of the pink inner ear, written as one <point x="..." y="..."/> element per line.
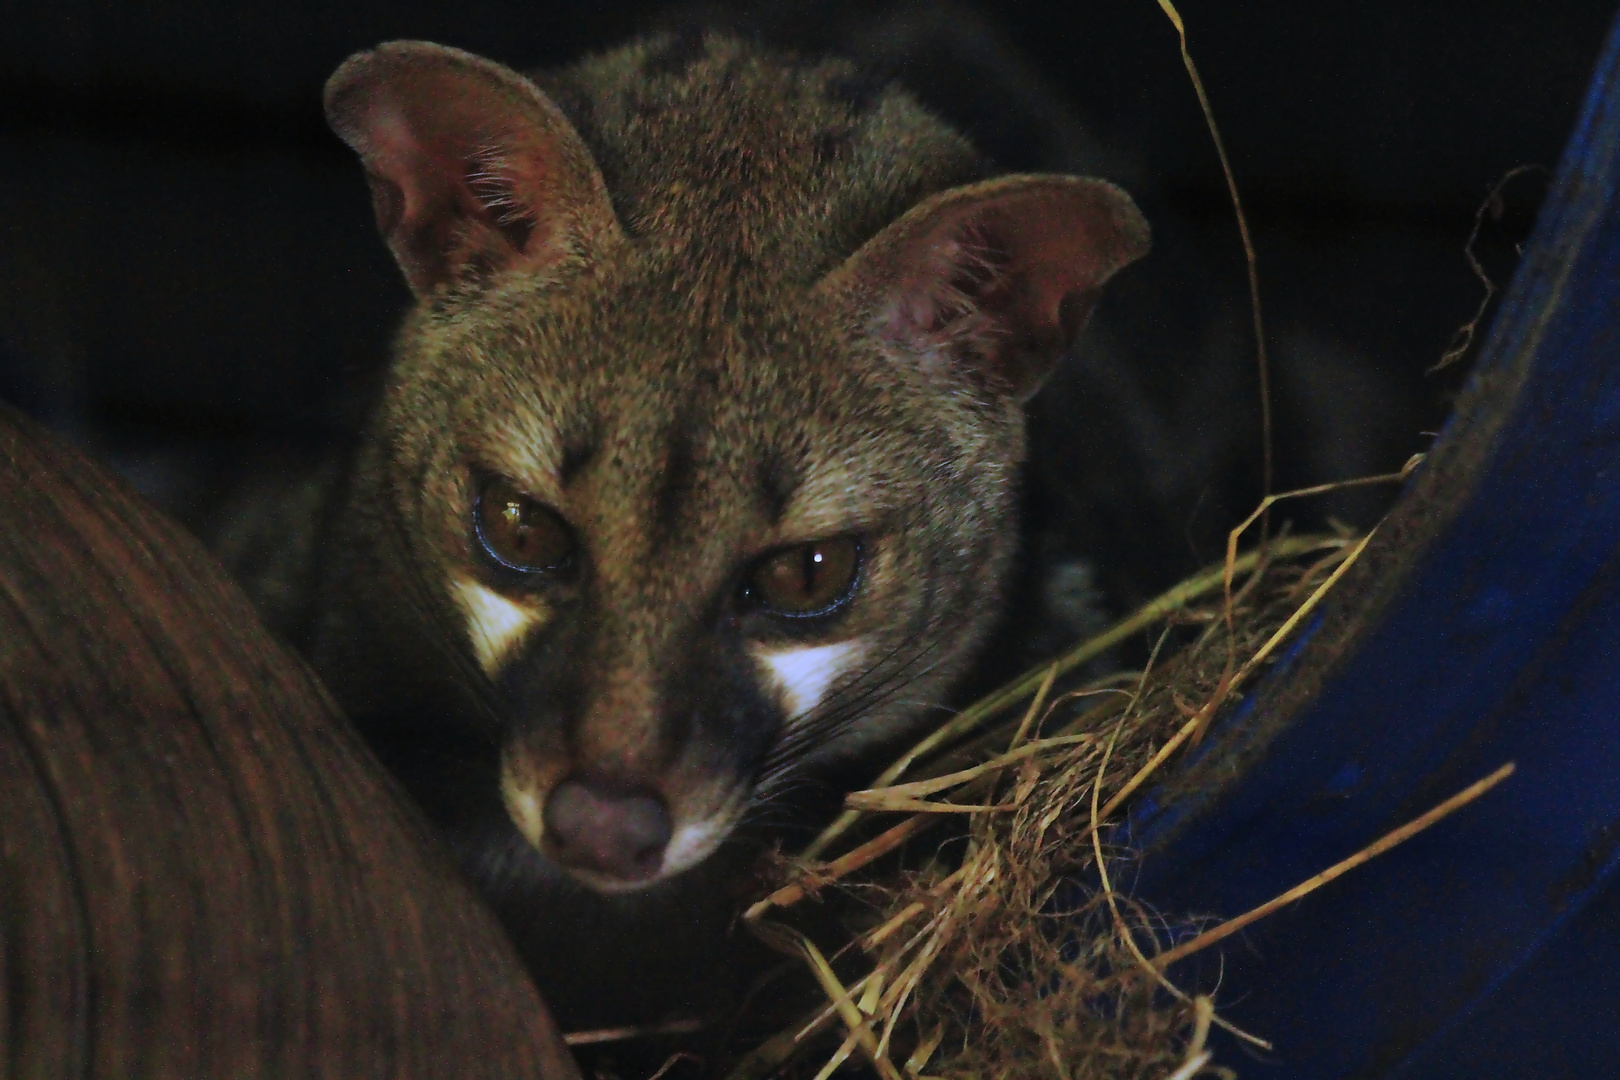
<point x="492" y="183"/>
<point x="980" y="281"/>
<point x="444" y="169"/>
<point x="949" y="284"/>
<point x="1001" y="281"/>
<point x="395" y="158"/>
<point x="472" y="168"/>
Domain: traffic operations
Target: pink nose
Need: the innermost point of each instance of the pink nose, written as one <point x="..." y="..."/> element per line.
<point x="618" y="832"/>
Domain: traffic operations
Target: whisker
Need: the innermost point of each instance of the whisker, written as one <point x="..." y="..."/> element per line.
<point x="878" y="685"/>
<point x="874" y="687"/>
<point x="845" y="710"/>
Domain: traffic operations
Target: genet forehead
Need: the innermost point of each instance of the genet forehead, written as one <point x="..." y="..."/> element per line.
<point x="810" y="468"/>
<point x="543" y="399"/>
<point x="653" y="316"/>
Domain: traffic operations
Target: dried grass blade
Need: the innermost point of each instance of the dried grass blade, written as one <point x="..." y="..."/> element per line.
<point x="606" y="1035"/>
<point x="1120" y="925"/>
<point x="1206" y="715"/>
<point x="1171" y="745"/>
<point x="848" y="1011"/>
<point x="1304" y="888"/>
<point x="1293" y="621"/>
<point x="1250" y="261"/>
<point x="819" y="1019"/>
<point x="1034" y="708"/>
<point x="919" y="1057"/>
<point x="872" y="994"/>
<point x="900" y="804"/>
<point x="850" y="861"/>
<point x="1280" y="548"/>
<point x="873" y="798"/>
<point x="1149" y="614"/>
<point x="893" y="923"/>
<point x="840" y="1056"/>
<point x="769" y="1056"/>
<point x="1129" y="939"/>
<point x="1191" y="1067"/>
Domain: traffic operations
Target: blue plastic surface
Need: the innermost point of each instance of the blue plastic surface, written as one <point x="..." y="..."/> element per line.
<point x="1482" y="627"/>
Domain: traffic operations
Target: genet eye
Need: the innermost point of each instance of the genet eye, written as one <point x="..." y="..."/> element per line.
<point x="806" y="579"/>
<point x="518" y="532"/>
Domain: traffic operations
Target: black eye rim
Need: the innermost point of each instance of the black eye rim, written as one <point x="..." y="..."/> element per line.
<point x="756" y="605"/>
<point x="485" y="482"/>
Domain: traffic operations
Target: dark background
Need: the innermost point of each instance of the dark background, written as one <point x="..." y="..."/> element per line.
<point x="189" y="272"/>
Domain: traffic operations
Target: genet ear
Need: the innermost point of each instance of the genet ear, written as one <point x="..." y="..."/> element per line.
<point x="473" y="170"/>
<point x="995" y="279"/>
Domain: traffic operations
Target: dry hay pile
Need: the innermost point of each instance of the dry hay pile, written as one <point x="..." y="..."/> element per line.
<point x="1002" y="950"/>
<point x="982" y="936"/>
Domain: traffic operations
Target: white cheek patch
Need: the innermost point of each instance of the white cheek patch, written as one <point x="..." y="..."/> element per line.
<point x="694" y="842"/>
<point x="495" y="625"/>
<point x="803" y="675"/>
<point x="523" y="807"/>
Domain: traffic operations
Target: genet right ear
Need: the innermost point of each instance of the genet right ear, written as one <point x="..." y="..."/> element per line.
<point x="473" y="170"/>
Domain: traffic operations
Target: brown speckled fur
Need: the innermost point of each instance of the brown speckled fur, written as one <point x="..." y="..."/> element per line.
<point x="678" y="352"/>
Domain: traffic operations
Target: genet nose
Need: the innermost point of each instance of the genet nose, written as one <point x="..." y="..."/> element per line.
<point x="616" y="831"/>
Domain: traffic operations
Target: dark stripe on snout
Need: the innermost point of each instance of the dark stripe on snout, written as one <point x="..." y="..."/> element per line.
<point x="673" y="486"/>
<point x="576" y="455"/>
<point x="777" y="483"/>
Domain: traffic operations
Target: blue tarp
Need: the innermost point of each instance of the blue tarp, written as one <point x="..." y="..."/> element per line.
<point x="1481" y="627"/>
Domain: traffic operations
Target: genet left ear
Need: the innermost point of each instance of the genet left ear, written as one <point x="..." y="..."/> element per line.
<point x="994" y="279"/>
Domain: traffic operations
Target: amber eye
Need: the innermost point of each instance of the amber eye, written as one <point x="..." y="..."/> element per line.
<point x="806" y="579"/>
<point x="519" y="532"/>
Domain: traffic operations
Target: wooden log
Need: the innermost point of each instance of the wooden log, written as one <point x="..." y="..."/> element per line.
<point x="203" y="872"/>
